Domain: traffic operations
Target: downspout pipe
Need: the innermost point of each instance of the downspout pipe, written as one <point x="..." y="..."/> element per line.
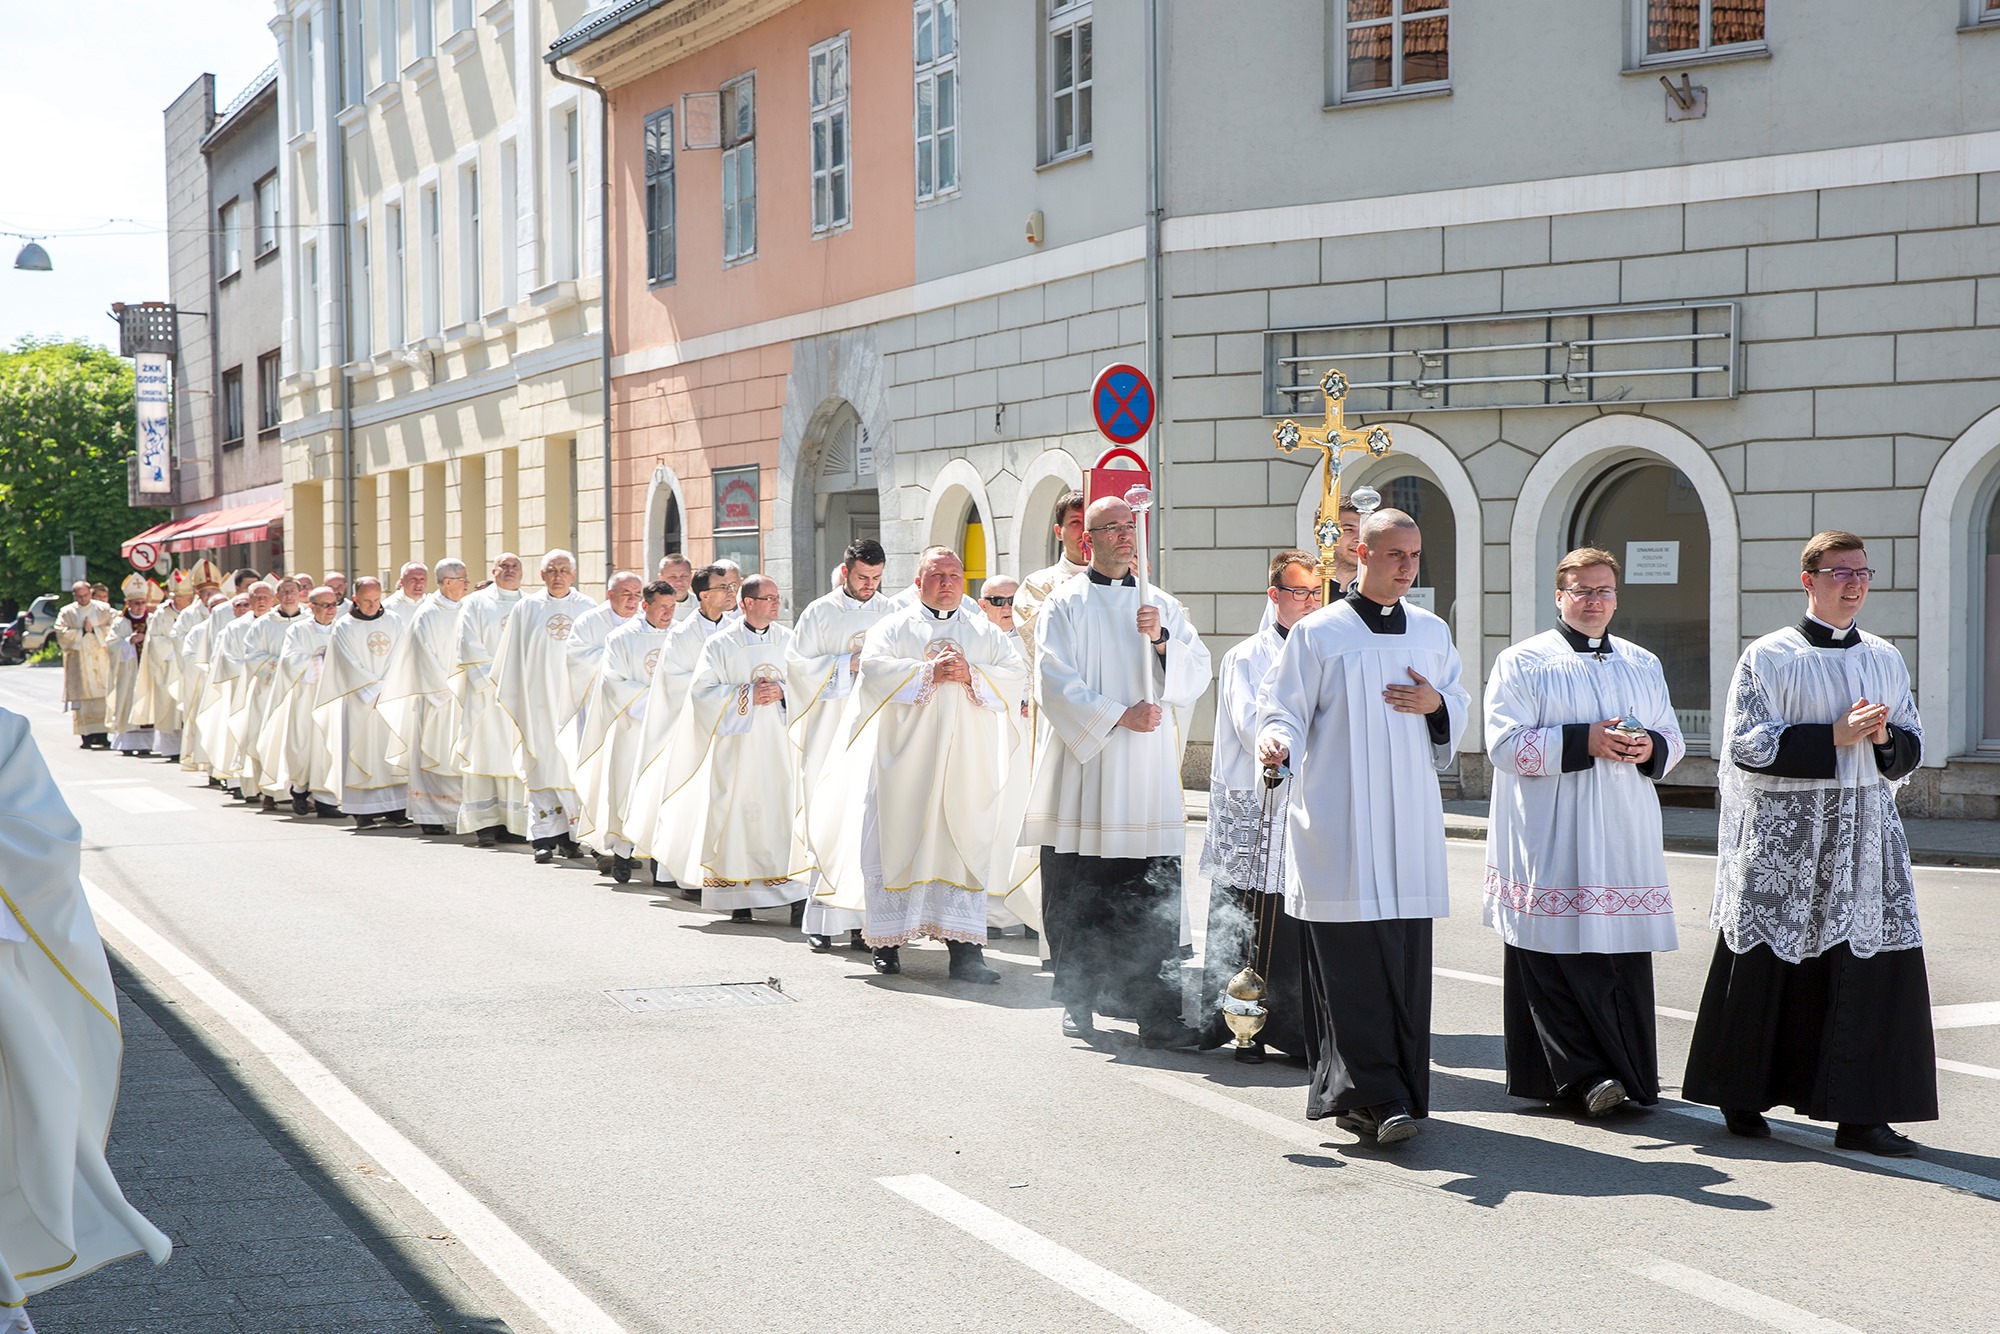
<point x="604" y="287"/>
<point x="344" y="332"/>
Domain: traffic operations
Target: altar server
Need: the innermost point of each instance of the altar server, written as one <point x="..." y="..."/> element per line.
<point x="366" y="784"/>
<point x="536" y="694"/>
<point x="1105" y="807"/>
<point x="495" y="804"/>
<point x="614" y="712"/>
<point x="417" y="703"/>
<point x="1817" y="997"/>
<point x="1579" y="727"/>
<point x="1366" y="705"/>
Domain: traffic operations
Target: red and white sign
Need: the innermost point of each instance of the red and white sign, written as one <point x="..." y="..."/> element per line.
<point x="1121" y="403"/>
<point x="1115" y="473"/>
<point x="144" y="556"/>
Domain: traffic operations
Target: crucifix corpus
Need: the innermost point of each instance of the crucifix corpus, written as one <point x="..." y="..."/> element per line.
<point x="1334" y="440"/>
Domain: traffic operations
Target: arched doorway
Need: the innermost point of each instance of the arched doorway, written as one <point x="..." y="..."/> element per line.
<point x="666" y="520"/>
<point x="1436" y="589"/>
<point x="1989" y="667"/>
<point x="1648" y="514"/>
<point x="845" y="504"/>
<point x="1053" y="474"/>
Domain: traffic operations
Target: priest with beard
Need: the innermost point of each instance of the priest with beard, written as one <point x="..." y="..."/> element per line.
<point x="1105" y="805"/>
<point x="418" y="705"/>
<point x="1817" y="998"/>
<point x="368" y="786"/>
<point x="494" y="805"/>
<point x="1243" y="853"/>
<point x="614" y="712"/>
<point x="411" y="582"/>
<point x="729" y="823"/>
<point x="1579" y="728"/>
<point x="821" y="666"/>
<point x="536" y="693"/>
<point x="293" y="746"/>
<point x="1367" y="705"/>
<point x="914" y="828"/>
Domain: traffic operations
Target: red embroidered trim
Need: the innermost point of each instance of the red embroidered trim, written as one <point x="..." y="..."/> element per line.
<point x="1582" y="901"/>
<point x="1528" y="754"/>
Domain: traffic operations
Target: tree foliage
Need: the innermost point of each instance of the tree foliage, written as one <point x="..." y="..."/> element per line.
<point x="66" y="433"/>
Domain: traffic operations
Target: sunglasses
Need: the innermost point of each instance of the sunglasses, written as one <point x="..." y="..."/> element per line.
<point x="998" y="602"/>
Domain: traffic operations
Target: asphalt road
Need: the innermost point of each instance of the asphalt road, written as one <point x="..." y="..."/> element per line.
<point x="725" y="1169"/>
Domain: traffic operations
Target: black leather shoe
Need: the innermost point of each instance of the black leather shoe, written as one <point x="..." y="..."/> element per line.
<point x="432" y="830"/>
<point x="889" y="959"/>
<point x="1602" y="1096"/>
<point x="604" y="860"/>
<point x="485" y="839"/>
<point x="570" y="850"/>
<point x="326" y="810"/>
<point x="1878" y="1140"/>
<point x="268" y="804"/>
<point x="1170" y="1035"/>
<point x="621" y="869"/>
<point x="692" y="895"/>
<point x="544" y="855"/>
<point x="855" y="941"/>
<point x="1078" y="1024"/>
<point x="1394" y="1124"/>
<point x="1750" y="1125"/>
<point x="968" y="963"/>
<point x="820" y="944"/>
<point x="302" y="803"/>
<point x="1360" y="1121"/>
<point x="364" y="821"/>
<point x="741" y="915"/>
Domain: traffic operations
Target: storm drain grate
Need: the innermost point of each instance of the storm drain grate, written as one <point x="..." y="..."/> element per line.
<point x="714" y="996"/>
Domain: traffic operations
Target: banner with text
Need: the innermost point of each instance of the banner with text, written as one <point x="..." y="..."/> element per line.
<point x="151" y="394"/>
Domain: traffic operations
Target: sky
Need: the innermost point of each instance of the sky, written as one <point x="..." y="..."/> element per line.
<point x="84" y="89"/>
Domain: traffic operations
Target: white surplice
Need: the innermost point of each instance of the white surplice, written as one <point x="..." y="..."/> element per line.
<point x="418" y="705"/>
<point x="60" y="1047"/>
<point x="666" y="697"/>
<point x="614" y="711"/>
<point x="494" y="796"/>
<point x="1241" y="847"/>
<point x="1365" y="825"/>
<point x="292" y="747"/>
<point x="1573" y="860"/>
<point x="913" y="825"/>
<point x="535" y="692"/>
<point x="363" y="779"/>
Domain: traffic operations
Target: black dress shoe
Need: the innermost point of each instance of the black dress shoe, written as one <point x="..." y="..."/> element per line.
<point x="1878" y="1140"/>
<point x="1750" y="1125"/>
<point x="1170" y="1035"/>
<point x="968" y="963"/>
<point x="1360" y="1121"/>
<point x="326" y="810"/>
<point x="365" y="821"/>
<point x="741" y="915"/>
<point x="544" y="855"/>
<point x="432" y="830"/>
<point x="1602" y="1096"/>
<point x="268" y="803"/>
<point x="855" y="940"/>
<point x="820" y="944"/>
<point x="889" y="959"/>
<point x="398" y="820"/>
<point x="302" y="803"/>
<point x="1078" y="1023"/>
<point x="621" y="869"/>
<point x="604" y="860"/>
<point x="485" y="839"/>
<point x="570" y="849"/>
<point x="1393" y="1123"/>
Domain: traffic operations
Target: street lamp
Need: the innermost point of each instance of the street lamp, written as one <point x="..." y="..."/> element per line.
<point x="33" y="258"/>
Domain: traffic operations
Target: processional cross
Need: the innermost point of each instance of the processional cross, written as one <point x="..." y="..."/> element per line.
<point x="1332" y="441"/>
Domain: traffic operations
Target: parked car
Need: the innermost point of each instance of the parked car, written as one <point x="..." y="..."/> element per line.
<point x="41" y="621"/>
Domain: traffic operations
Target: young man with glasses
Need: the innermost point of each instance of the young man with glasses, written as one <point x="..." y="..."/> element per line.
<point x="1817" y="998"/>
<point x="1243" y="855"/>
<point x="1579" y="728"/>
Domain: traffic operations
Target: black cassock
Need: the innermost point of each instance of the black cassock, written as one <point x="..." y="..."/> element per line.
<point x="1274" y="946"/>
<point x="1114" y="932"/>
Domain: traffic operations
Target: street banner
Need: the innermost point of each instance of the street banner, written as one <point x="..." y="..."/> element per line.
<point x="151" y="396"/>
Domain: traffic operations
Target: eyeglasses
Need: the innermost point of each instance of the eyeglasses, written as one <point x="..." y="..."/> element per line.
<point x="1301" y="594"/>
<point x="1592" y="594"/>
<point x="762" y="597"/>
<point x="1117" y="529"/>
<point x="998" y="602"/>
<point x="1843" y="575"/>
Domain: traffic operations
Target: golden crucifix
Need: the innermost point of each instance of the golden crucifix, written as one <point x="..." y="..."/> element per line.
<point x="1333" y="441"/>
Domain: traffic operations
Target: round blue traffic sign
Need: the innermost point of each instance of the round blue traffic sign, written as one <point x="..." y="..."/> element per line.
<point x="1121" y="401"/>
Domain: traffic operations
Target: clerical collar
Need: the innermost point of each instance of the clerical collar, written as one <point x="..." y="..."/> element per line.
<point x="712" y="620"/>
<point x="937" y="615"/>
<point x="751" y="629"/>
<point x="361" y="615"/>
<point x="1583" y="643"/>
<point x="291" y="615"/>
<point x="1098" y="577"/>
<point x="1821" y="635"/>
<point x="1383" y="620"/>
<point x="1284" y="631"/>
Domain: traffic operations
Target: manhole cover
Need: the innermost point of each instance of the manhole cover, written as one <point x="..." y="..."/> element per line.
<point x="715" y="996"/>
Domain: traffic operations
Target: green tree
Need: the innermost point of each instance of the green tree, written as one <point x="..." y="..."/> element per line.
<point x="66" y="432"/>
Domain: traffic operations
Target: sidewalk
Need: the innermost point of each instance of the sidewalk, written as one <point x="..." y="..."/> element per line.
<point x="1932" y="842"/>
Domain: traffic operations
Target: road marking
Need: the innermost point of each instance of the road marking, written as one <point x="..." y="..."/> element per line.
<point x="1095" y="1284"/>
<point x="1484" y="980"/>
<point x="1721" y="1292"/>
<point x="1965" y="1016"/>
<point x="1962" y="1068"/>
<point x="140" y="800"/>
<point x="544" y="1290"/>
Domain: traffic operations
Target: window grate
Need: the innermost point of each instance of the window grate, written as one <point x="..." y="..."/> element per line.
<point x="713" y="996"/>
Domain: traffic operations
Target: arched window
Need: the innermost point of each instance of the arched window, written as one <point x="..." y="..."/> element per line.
<point x="673" y="536"/>
<point x="846" y="505"/>
<point x="1989" y="727"/>
<point x="1649" y="515"/>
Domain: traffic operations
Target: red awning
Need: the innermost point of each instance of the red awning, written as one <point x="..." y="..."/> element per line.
<point x="222" y="528"/>
<point x="160" y="532"/>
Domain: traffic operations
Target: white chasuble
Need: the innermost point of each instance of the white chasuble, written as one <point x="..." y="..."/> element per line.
<point x="587" y="638"/>
<point x="422" y="715"/>
<point x="292" y="748"/>
<point x="228" y="695"/>
<point x="124" y="713"/>
<point x="1099" y="789"/>
<point x="666" y="697"/>
<point x="401" y="605"/>
<point x="63" y="1214"/>
<point x="362" y="779"/>
<point x="1805" y="864"/>
<point x="266" y="646"/>
<point x="820" y="671"/>
<point x="534" y="691"/>
<point x="607" y="757"/>
<point x="728" y="822"/>
<point x="915" y="817"/>
<point x="1241" y="847"/>
<point x="84" y="634"/>
<point x="197" y="652"/>
<point x="484" y="753"/>
<point x="192" y="617"/>
<point x="1365" y="825"/>
<point x="1573" y="859"/>
<point x="161" y="666"/>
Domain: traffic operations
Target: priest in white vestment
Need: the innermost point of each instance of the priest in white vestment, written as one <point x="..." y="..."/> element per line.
<point x="60" y="1047"/>
<point x="1817" y="997"/>
<point x="364" y="782"/>
<point x="536" y="694"/>
<point x="593" y="629"/>
<point x="1243" y="850"/>
<point x="235" y="662"/>
<point x="495" y="804"/>
<point x="267" y="646"/>
<point x="161" y="665"/>
<point x="912" y="825"/>
<point x="292" y="747"/>
<point x="1118" y="670"/>
<point x="198" y="683"/>
<point x="820" y="670"/>
<point x="83" y="630"/>
<point x="128" y="718"/>
<point x="614" y="712"/>
<point x="729" y="821"/>
<point x="418" y="705"/>
<point x="714" y="610"/>
<point x="1579" y="727"/>
<point x="1367" y="706"/>
<point x="676" y="569"/>
<point x="411" y="583"/>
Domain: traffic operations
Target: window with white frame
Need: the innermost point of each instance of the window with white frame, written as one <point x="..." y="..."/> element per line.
<point x="739" y="169"/>
<point x="309" y="306"/>
<point x="1069" y="77"/>
<point x="305" y="78"/>
<point x="229" y="234"/>
<point x="354" y="58"/>
<point x="397" y="295"/>
<point x="461" y="15"/>
<point x="1394" y="46"/>
<point x="423" y="26"/>
<point x="471" y="282"/>
<point x="1685" y="29"/>
<point x="1985" y="11"/>
<point x="937" y="97"/>
<point x="361" y="340"/>
<point x="510" y="221"/>
<point x="389" y="34"/>
<point x="266" y="194"/>
<point x="232" y="406"/>
<point x="270" y="407"/>
<point x="568" y="185"/>
<point x="660" y="253"/>
<point x="431" y="271"/>
<point x="827" y="106"/>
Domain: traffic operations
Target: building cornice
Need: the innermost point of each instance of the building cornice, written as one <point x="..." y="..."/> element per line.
<point x="646" y="35"/>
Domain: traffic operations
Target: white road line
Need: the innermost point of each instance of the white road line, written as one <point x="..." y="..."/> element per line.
<point x="140" y="800"/>
<point x="1965" y="1016"/>
<point x="1095" y="1284"/>
<point x="1721" y="1292"/>
<point x="1962" y="1068"/>
<point x="1484" y="980"/>
<point x="512" y="1261"/>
